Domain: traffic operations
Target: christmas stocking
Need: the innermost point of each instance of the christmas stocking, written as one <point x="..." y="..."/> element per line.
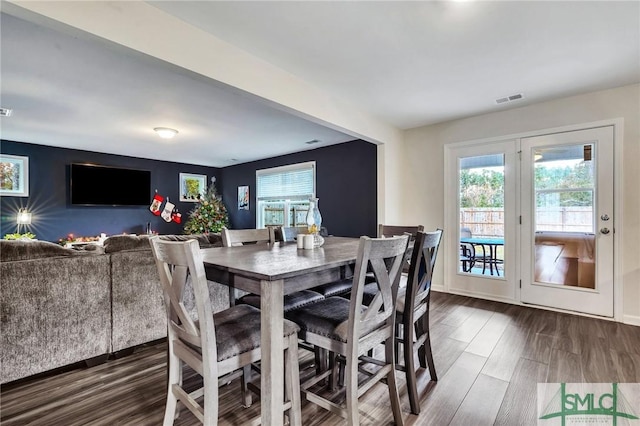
<point x="176" y="216"/>
<point x="155" y="204"/>
<point x="168" y="209"/>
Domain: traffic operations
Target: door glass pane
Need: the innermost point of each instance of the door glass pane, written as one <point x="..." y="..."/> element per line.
<point x="564" y="188"/>
<point x="482" y="215"/>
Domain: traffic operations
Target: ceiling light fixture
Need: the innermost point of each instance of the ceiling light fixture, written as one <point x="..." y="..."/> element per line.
<point x="165" y="132"/>
<point x="5" y="112"/>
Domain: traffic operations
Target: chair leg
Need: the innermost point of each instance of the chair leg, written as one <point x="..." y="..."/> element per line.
<point x="352" y="413"/>
<point x="292" y="381"/>
<point x="174" y="378"/>
<point x="320" y="359"/>
<point x="394" y="395"/>
<point x="334" y="366"/>
<point x="432" y="367"/>
<point x="244" y="388"/>
<point x="232" y="296"/>
<point x="210" y="401"/>
<point x="396" y="347"/>
<point x="410" y="371"/>
<point x="425" y="355"/>
<point x="341" y="368"/>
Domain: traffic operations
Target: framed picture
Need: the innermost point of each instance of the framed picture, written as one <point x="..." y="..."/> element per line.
<point x="192" y="187"/>
<point x="14" y="176"/>
<point x="243" y="198"/>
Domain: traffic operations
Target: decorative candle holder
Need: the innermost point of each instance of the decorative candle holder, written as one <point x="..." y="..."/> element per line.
<point x="314" y="222"/>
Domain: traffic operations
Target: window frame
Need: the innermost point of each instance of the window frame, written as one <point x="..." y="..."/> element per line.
<point x="286" y="199"/>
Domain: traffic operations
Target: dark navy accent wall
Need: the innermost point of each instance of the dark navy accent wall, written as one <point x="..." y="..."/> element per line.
<point x="48" y="200"/>
<point x="346" y="184"/>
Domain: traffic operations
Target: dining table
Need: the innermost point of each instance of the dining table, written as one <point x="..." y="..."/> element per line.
<point x="272" y="271"/>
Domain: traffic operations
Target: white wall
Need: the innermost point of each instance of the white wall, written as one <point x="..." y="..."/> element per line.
<point x="423" y="174"/>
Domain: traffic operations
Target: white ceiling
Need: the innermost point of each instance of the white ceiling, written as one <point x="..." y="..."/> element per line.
<point x="421" y="62"/>
<point x="407" y="63"/>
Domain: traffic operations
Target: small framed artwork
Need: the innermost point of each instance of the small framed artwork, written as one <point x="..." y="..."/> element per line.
<point x="243" y="198"/>
<point x="14" y="176"/>
<point x="192" y="187"/>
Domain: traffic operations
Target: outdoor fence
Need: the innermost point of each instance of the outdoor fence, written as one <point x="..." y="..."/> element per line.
<point x="489" y="222"/>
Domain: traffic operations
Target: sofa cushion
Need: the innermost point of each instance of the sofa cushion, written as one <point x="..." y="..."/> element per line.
<point x="11" y="250"/>
<point x="126" y="242"/>
<point x="205" y="240"/>
<point x="201" y="238"/>
<point x="215" y="239"/>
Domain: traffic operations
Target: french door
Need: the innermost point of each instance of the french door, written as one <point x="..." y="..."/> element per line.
<point x="480" y="218"/>
<point x="531" y="220"/>
<point x="567" y="230"/>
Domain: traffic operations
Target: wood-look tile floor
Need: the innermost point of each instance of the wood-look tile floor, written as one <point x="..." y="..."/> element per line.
<point x="489" y="357"/>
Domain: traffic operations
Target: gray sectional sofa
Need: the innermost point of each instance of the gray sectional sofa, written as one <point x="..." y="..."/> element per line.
<point x="59" y="306"/>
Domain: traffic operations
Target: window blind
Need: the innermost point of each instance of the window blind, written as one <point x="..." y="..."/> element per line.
<point x="296" y="181"/>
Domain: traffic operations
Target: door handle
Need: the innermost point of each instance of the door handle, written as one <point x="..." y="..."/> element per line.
<point x="604" y="231"/>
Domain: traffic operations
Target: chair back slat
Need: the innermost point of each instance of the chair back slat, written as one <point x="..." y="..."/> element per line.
<point x="173" y="279"/>
<point x="239" y="237"/>
<point x="386" y="231"/>
<point x="423" y="261"/>
<point x="290" y="233"/>
<point x="384" y="257"/>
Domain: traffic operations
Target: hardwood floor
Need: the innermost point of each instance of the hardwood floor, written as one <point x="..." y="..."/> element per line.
<point x="489" y="357"/>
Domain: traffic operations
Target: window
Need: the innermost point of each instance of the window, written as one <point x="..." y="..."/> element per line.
<point x="282" y="194"/>
<point x="564" y="189"/>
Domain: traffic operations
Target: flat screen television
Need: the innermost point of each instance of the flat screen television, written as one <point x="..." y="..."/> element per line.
<point x="95" y="185"/>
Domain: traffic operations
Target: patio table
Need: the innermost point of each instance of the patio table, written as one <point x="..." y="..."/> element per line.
<point x="489" y="246"/>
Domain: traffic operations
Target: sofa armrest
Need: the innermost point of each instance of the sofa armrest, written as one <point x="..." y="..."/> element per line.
<point x="53" y="312"/>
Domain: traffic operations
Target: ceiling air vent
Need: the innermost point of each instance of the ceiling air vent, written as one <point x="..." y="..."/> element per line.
<point x="311" y="142"/>
<point x="510" y="98"/>
<point x="5" y="112"/>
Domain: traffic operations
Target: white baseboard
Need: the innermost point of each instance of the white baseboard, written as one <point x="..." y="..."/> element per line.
<point x="438" y="287"/>
<point x="631" y="320"/>
<point x="485" y="296"/>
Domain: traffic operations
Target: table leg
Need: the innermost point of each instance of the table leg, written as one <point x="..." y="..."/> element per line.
<point x="272" y="368"/>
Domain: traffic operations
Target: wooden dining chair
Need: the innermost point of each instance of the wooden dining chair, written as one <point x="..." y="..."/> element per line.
<point x="214" y="345"/>
<point x="415" y="292"/>
<point x="412" y="307"/>
<point x="349" y="329"/>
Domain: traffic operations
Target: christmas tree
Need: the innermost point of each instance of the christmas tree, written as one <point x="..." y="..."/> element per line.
<point x="209" y="215"/>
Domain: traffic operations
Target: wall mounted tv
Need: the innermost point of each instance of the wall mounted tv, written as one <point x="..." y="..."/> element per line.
<point x="95" y="185"/>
